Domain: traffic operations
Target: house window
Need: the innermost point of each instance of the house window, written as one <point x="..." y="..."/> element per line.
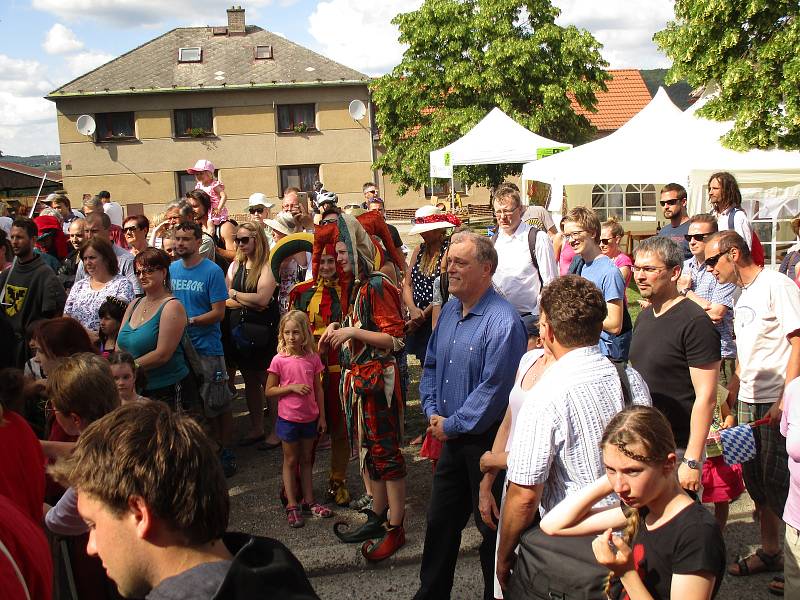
<point x="301" y="176"/>
<point x="296" y="117"/>
<point x="625" y="202"/>
<point x="193" y="122"/>
<point x="190" y="54"/>
<point x="115" y="126"/>
<point x="263" y="52"/>
<point x="186" y="183"/>
<point x="441" y="187"/>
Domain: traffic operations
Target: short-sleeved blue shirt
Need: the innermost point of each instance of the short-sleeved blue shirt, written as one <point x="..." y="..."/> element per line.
<point x="606" y="275"/>
<point x="198" y="288"/>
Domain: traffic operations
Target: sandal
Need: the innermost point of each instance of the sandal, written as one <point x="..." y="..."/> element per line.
<point x="315" y="509"/>
<point x="768" y="563"/>
<point x="776" y="585"/>
<point x="294" y="517"/>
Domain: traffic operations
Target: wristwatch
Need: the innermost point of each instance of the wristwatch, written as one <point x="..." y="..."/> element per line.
<point x="191" y="320"/>
<point x="692" y="464"/>
<point x="234" y="293"/>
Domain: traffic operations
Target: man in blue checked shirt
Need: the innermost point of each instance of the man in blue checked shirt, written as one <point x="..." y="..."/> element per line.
<point x="468" y="373"/>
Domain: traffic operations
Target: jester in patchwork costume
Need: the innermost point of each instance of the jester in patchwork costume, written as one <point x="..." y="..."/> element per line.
<point x="371" y="330"/>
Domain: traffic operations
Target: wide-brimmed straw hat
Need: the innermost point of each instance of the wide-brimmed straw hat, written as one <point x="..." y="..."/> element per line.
<point x="282" y="223"/>
<point x="428" y="218"/>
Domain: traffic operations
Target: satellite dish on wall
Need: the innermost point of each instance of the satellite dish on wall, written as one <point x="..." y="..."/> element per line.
<point x="86" y="125"/>
<point x="357" y="110"/>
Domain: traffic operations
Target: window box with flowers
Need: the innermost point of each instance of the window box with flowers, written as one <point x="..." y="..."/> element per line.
<point x="296" y="118"/>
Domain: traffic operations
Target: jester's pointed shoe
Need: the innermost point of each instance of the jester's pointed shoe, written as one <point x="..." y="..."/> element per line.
<point x="372" y="529"/>
<point x="378" y="550"/>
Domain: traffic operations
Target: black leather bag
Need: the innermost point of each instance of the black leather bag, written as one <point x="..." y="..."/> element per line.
<point x="556" y="568"/>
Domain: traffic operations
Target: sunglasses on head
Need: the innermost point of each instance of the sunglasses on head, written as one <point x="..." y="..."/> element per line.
<point x="243" y="240"/>
<point x="697" y="237"/>
<point x="669" y="202"/>
<point x="255" y="210"/>
<point x="711" y="261"/>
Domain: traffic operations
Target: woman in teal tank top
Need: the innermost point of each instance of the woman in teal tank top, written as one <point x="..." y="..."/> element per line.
<point x="152" y="330"/>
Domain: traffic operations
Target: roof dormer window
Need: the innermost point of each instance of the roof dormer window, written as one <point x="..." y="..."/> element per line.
<point x="263" y="52"/>
<point x="194" y="54"/>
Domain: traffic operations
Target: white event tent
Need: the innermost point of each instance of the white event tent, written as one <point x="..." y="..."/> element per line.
<point x="662" y="144"/>
<point x="496" y="139"/>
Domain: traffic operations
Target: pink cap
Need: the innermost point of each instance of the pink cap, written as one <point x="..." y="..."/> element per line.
<point x="202" y="165"/>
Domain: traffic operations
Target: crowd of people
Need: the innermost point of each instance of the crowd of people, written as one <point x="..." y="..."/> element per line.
<point x="581" y="443"/>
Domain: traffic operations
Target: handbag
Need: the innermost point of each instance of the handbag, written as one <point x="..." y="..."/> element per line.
<point x="192" y="358"/>
<point x="249" y="334"/>
<point x="550" y="567"/>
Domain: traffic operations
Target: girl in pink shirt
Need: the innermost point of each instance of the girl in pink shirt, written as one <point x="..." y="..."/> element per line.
<point x="203" y="172"/>
<point x="294" y="378"/>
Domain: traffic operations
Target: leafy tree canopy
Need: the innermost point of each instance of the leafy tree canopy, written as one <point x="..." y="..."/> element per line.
<point x="751" y="50"/>
<point x="464" y="58"/>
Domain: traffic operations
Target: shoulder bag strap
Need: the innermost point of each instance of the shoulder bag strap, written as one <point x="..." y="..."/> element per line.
<point x="5" y="551"/>
<point x="624" y="381"/>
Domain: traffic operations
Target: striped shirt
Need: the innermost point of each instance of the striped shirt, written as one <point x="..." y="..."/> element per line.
<point x="558" y="432"/>
<point x="705" y="285"/>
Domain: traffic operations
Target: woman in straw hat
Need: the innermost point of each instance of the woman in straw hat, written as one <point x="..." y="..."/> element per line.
<point x="432" y="224"/>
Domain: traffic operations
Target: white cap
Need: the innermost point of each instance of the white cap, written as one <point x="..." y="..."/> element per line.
<point x="259" y="198"/>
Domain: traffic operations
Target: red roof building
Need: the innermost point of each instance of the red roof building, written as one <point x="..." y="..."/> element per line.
<point x="627" y="94"/>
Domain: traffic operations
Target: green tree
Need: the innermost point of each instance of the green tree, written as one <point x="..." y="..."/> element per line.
<point x="465" y="57"/>
<point x="751" y="50"/>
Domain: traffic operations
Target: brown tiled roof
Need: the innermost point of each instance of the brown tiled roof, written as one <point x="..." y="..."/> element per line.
<point x="627" y="94"/>
<point x="32" y="171"/>
<point x="228" y="61"/>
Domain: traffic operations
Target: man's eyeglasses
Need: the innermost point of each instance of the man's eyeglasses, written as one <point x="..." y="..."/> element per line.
<point x="371" y="192"/>
<point x="605" y="241"/>
<point x="668" y="202"/>
<point x="697" y="237"/>
<point x="130" y="229"/>
<point x="648" y="269"/>
<point x="146" y="271"/>
<point x="711" y="261"/>
<point x="255" y="210"/>
<point x="505" y="213"/>
<point x="328" y="221"/>
<point x="243" y="240"/>
<point x="575" y="235"/>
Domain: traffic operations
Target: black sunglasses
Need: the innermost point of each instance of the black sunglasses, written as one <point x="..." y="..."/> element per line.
<point x="605" y="241"/>
<point x="257" y="210"/>
<point x="146" y="271"/>
<point x="697" y="237"/>
<point x="243" y="240"/>
<point x="130" y="229"/>
<point x="711" y="261"/>
<point x="670" y="202"/>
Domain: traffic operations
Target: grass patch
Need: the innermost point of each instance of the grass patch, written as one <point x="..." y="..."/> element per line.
<point x="633" y="296"/>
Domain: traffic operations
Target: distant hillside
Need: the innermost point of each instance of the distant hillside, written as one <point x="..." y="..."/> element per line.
<point x="47" y="162"/>
<point x="679" y="92"/>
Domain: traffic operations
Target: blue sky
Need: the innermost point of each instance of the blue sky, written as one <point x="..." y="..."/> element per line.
<point x="49" y="42"/>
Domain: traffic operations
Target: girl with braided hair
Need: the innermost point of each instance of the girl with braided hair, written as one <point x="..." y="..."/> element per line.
<point x="670" y="547"/>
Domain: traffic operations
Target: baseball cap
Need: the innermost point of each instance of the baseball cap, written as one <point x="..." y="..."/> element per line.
<point x="259" y="199"/>
<point x="200" y="166"/>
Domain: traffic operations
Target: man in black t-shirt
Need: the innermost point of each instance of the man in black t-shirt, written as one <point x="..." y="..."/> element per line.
<point x="676" y="348"/>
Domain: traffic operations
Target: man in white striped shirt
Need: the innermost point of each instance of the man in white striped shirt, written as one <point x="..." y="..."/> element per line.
<point x="556" y="449"/>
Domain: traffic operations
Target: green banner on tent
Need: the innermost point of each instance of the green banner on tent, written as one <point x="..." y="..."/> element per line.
<point x="446" y="159"/>
<point x="542" y="152"/>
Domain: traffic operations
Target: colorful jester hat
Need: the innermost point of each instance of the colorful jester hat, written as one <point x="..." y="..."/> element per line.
<point x="359" y="245"/>
<point x="375" y="225"/>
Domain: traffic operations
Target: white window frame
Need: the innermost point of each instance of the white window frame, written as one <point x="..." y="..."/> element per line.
<point x="625" y="201"/>
<point x="182" y="52"/>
